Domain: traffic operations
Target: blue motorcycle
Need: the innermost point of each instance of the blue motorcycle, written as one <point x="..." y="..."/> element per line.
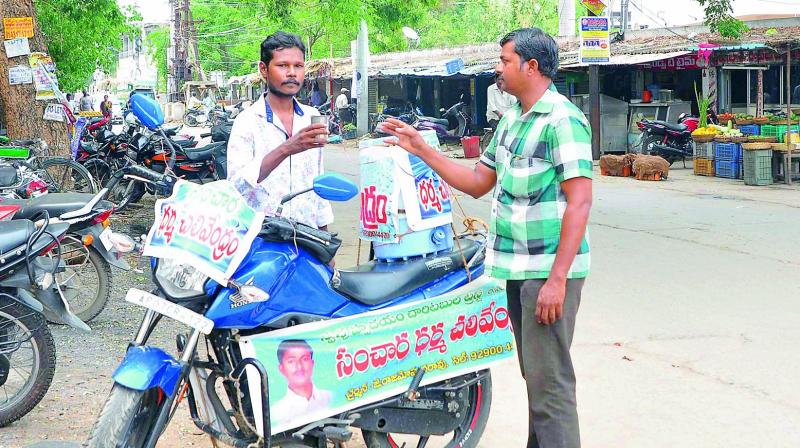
<point x="286" y="261"/>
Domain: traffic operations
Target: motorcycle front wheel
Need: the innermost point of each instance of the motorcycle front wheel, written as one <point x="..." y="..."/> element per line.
<point x="127" y="418"/>
<point x="467" y="435"/>
<point x="27" y="360"/>
<point x="86" y="281"/>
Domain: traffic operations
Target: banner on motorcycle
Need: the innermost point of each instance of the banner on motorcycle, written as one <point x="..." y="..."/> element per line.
<point x="324" y="368"/>
<point x="393" y="180"/>
<point x="208" y="226"/>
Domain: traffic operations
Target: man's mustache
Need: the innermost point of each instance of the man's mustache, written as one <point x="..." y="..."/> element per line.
<point x="291" y="81"/>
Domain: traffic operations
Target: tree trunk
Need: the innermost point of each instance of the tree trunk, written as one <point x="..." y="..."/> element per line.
<point x="22" y="113"/>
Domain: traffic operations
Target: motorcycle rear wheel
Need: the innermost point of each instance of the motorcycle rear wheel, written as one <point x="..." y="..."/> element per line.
<point x="127" y="418"/>
<point x="23" y="330"/>
<point x="466" y="435"/>
<point x="86" y="282"/>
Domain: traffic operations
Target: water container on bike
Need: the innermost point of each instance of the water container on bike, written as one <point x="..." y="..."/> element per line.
<point x="405" y="205"/>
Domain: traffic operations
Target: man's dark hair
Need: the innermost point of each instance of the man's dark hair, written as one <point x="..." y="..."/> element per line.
<point x="533" y="43"/>
<point x="289" y="344"/>
<point x="278" y="41"/>
<point x="69" y="96"/>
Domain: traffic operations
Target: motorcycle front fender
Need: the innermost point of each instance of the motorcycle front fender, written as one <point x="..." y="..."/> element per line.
<point x="144" y="368"/>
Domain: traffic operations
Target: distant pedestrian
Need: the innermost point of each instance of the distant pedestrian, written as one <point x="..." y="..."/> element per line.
<point x="317" y="97"/>
<point x="86" y="104"/>
<point x="106" y="108"/>
<point x="73" y="107"/>
<point x="343" y="106"/>
<point x="498" y="101"/>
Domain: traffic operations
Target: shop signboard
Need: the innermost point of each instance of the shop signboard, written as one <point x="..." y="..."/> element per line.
<point x="685" y="62"/>
<point x="595" y="40"/>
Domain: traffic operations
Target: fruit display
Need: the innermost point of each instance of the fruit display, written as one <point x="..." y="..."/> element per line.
<point x="725" y="117"/>
<point x="727" y="131"/>
<point x="708" y="131"/>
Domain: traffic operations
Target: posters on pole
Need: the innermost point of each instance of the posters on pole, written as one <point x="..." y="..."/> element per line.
<point x="597" y="7"/>
<point x="20" y="74"/>
<point x="17" y="47"/>
<point x="355" y="361"/>
<point x="209" y="226"/>
<point x="54" y="112"/>
<point x="595" y="40"/>
<point x="14" y="27"/>
<point x="44" y="76"/>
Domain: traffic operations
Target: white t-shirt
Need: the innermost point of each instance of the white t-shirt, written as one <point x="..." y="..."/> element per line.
<point x="497" y="101"/>
<point x="342" y="102"/>
<point x="292" y="405"/>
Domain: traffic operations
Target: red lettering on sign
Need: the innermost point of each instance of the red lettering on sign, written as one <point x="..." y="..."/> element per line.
<point x="373" y="209"/>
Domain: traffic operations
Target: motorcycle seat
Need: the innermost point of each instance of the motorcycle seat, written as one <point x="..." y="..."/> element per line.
<point x="440" y="121"/>
<point x="8" y="176"/>
<point x="377" y="282"/>
<point x="88" y="147"/>
<point x="56" y="204"/>
<point x="204" y="153"/>
<point x="671" y="126"/>
<point x="14" y="234"/>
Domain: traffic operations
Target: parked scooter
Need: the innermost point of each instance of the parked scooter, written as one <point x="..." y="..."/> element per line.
<point x="453" y="125"/>
<point x="29" y="285"/>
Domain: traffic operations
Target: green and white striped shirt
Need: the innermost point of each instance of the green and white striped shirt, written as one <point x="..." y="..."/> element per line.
<point x="532" y="154"/>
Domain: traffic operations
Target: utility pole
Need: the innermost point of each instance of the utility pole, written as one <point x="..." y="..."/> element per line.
<point x="594" y="102"/>
<point x="178" y="64"/>
<point x="566" y="18"/>
<point x="363" y="70"/>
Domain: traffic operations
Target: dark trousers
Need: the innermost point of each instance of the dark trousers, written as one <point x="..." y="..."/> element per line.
<point x="546" y="364"/>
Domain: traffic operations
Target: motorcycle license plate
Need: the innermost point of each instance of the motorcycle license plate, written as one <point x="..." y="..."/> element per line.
<point x="105" y="238"/>
<point x="169" y="309"/>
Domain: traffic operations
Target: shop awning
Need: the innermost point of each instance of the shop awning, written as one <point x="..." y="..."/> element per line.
<point x="631" y="59"/>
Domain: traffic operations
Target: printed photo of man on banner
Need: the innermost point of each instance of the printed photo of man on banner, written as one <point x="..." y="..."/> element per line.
<point x="321" y="369"/>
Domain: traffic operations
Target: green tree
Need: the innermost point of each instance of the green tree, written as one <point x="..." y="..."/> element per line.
<point x="83" y="36"/>
<point x="157" y="43"/>
<point x="719" y="18"/>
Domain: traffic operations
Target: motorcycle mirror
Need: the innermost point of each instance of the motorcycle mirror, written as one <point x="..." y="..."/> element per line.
<point x="335" y="187"/>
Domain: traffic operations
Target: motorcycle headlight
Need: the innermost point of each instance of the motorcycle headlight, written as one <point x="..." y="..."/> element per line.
<point x="179" y="280"/>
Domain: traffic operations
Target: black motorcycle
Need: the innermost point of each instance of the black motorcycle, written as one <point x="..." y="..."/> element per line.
<point x="671" y="141"/>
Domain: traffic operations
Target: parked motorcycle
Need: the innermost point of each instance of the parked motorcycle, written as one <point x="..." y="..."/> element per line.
<point x="671" y="141"/>
<point x="29" y="285"/>
<point x="453" y="125"/>
<point x="87" y="249"/>
<point x="286" y="255"/>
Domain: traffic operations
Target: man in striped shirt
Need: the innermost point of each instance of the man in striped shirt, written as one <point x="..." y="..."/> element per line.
<point x="540" y="166"/>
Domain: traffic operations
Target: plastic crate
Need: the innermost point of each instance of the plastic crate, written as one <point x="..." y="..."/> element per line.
<point x="729" y="152"/>
<point x="781" y="131"/>
<point x="769" y="130"/>
<point x="728" y="169"/>
<point x="749" y="129"/>
<point x="704" y="150"/>
<point x="704" y="167"/>
<point x="757" y="167"/>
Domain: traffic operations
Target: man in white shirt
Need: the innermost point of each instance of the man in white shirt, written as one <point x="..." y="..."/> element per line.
<point x="498" y="101"/>
<point x="296" y="364"/>
<point x="342" y="106"/>
<point x="274" y="150"/>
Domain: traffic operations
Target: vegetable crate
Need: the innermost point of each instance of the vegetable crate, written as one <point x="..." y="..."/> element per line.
<point x="769" y="130"/>
<point x="750" y="129"/>
<point x="704" y="167"/>
<point x="728" y="152"/>
<point x="757" y="166"/>
<point x="728" y="169"/>
<point x="781" y="130"/>
<point x="704" y="150"/>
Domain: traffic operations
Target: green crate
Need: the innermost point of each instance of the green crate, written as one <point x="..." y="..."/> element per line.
<point x="758" y="167"/>
<point x="781" y="131"/>
<point x="769" y="130"/>
<point x="14" y="152"/>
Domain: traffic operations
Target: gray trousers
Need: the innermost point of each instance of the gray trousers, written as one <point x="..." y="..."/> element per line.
<point x="546" y="364"/>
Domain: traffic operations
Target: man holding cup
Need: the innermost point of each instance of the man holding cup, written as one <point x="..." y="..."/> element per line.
<point x="275" y="147"/>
